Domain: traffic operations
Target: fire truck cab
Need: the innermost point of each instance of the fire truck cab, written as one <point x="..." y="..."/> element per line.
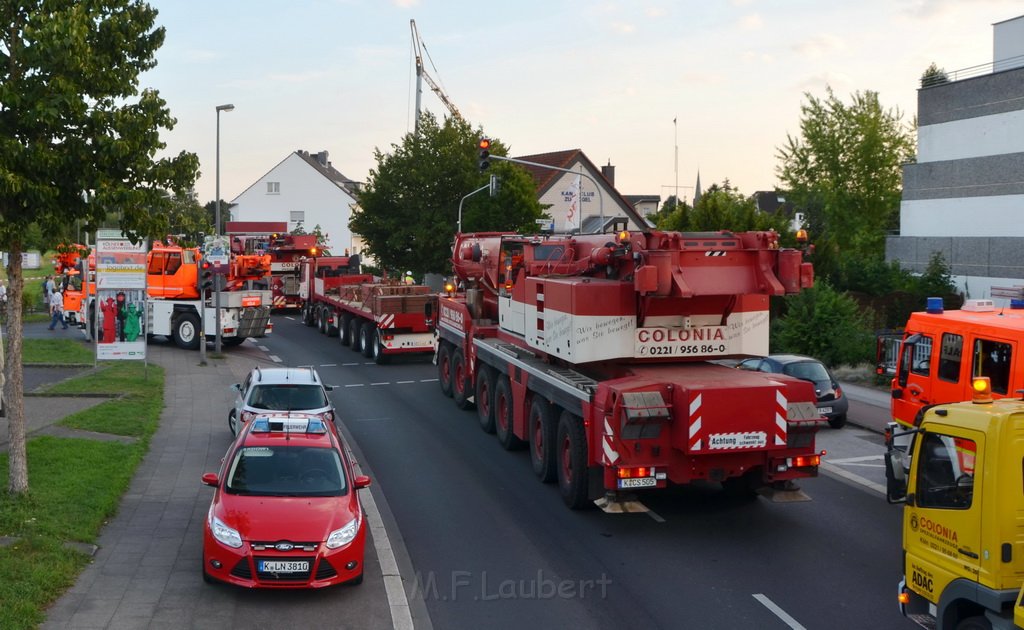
<point x="943" y="350"/>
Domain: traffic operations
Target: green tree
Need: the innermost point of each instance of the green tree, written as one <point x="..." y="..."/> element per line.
<point x="72" y="119"/>
<point x="844" y="171"/>
<point x="826" y="324"/>
<point x="408" y="211"/>
<point x="933" y="75"/>
<point x="723" y="207"/>
<point x="188" y="220"/>
<point x="225" y="212"/>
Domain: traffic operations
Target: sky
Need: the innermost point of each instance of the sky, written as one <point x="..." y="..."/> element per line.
<point x="608" y="77"/>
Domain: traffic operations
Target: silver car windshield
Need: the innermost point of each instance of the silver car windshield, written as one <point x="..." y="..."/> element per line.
<point x="286" y="471"/>
<point x="286" y="397"/>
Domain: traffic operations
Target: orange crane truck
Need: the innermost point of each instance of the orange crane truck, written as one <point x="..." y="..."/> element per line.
<point x="594" y="351"/>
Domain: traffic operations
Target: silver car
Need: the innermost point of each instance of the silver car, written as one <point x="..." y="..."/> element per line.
<point x="280" y="389"/>
<point x="832" y="404"/>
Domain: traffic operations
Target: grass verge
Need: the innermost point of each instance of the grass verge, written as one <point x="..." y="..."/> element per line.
<point x="76" y="486"/>
<point x="62" y="351"/>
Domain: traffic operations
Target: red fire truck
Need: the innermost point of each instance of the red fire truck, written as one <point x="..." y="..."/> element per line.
<point x="594" y="351"/>
<point x="380" y="319"/>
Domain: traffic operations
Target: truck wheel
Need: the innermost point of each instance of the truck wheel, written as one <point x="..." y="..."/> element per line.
<point x="231" y="342"/>
<point x="353" y="334"/>
<point x="571" y="450"/>
<point x="186" y="331"/>
<point x="344" y="335"/>
<point x="745" y="486"/>
<point x="329" y="329"/>
<point x="503" y="415"/>
<point x="975" y="623"/>
<point x="485" y="398"/>
<point x="307" y="315"/>
<point x="540" y="427"/>
<point x="318" y="315"/>
<point x="379" y="356"/>
<point x="368" y="339"/>
<point x="444" y="368"/>
<point x="461" y="383"/>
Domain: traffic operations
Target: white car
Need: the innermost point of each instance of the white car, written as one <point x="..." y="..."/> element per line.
<point x="280" y="389"/>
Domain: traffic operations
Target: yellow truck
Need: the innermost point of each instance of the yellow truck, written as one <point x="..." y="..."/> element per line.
<point x="960" y="474"/>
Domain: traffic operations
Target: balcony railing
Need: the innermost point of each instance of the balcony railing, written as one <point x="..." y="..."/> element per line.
<point x="943" y="77"/>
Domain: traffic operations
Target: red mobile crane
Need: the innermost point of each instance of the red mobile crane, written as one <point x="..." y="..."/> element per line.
<point x="594" y="351"/>
<point x="286" y="250"/>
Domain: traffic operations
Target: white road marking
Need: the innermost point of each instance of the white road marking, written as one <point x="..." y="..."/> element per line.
<point x="387" y="383"/>
<point x="348" y="364"/>
<point x="264" y="348"/>
<point x="850" y="460"/>
<point x="428" y="380"/>
<point x="778" y="612"/>
<point x="367" y="363"/>
<point x="401" y="615"/>
<point x="404" y="382"/>
<point x="328" y="365"/>
<point x="275" y="358"/>
<point x="655" y="516"/>
<point x="289" y="317"/>
<point x="849" y="476"/>
<point x="355" y="384"/>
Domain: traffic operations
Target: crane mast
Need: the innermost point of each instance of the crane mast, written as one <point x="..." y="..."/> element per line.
<point x="422" y="75"/>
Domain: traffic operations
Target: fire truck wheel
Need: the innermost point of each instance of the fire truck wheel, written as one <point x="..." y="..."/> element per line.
<point x="368" y="339"/>
<point x="444" y="367"/>
<point x="186" y="331"/>
<point x="503" y="429"/>
<point x="540" y="427"/>
<point x="485" y="398"/>
<point x="353" y="335"/>
<point x="344" y="335"/>
<point x="571" y="453"/>
<point x="462" y="386"/>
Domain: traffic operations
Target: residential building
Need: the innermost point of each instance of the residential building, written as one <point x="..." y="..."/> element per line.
<point x="595" y="198"/>
<point x="964" y="196"/>
<point x="646" y="205"/>
<point x="303" y="189"/>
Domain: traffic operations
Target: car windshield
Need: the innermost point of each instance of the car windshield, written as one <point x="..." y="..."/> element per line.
<point x="807" y="370"/>
<point x="286" y="397"/>
<point x="286" y="471"/>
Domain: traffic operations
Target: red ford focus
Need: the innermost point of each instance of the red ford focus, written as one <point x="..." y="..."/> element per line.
<point x="285" y="513"/>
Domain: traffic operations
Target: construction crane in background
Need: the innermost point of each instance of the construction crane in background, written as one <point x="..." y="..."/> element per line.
<point x="419" y="48"/>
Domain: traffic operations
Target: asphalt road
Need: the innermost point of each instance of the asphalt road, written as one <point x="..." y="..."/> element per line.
<point x="492" y="547"/>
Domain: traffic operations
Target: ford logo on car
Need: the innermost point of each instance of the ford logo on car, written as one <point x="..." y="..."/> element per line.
<point x="284" y="546"/>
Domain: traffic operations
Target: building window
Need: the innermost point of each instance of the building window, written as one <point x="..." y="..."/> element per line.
<point x="297" y="216"/>
<point x="273" y="188"/>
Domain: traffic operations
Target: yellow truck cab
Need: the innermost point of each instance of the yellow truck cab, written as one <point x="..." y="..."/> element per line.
<point x="962" y="482"/>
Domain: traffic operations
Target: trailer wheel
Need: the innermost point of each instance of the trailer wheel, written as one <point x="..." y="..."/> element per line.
<point x="485" y="398"/>
<point x="353" y="334"/>
<point x="540" y="427"/>
<point x="319" y="316"/>
<point x="461" y="383"/>
<point x="344" y="334"/>
<point x="444" y="367"/>
<point x="368" y="338"/>
<point x="307" y="315"/>
<point x="186" y="331"/>
<point x="329" y="330"/>
<point x="379" y="356"/>
<point x="503" y="415"/>
<point x="571" y="449"/>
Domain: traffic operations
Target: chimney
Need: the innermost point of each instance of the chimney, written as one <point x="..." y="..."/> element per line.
<point x="322" y="158"/>
<point x="609" y="173"/>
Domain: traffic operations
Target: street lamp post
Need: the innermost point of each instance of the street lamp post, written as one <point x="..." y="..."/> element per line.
<point x="216" y="229"/>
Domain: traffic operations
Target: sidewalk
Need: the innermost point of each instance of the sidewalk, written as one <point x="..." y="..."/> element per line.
<point x="146" y="571"/>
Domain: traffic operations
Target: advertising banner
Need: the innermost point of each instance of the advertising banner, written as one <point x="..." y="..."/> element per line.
<point x="120" y="299"/>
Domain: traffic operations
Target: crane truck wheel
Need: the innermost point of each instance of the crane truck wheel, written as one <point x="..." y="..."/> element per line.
<point x="485" y="398"/>
<point x="571" y="455"/>
<point x="344" y="335"/>
<point x="979" y="622"/>
<point x="329" y="329"/>
<point x="503" y="415"/>
<point x="444" y="367"/>
<point x="307" y="315"/>
<point x="379" y="356"/>
<point x="368" y="339"/>
<point x="461" y="383"/>
<point x="540" y="426"/>
<point x="186" y="331"/>
<point x="322" y="320"/>
<point x="353" y="334"/>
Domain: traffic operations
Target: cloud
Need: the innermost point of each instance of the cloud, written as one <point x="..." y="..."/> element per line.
<point x="405" y="4"/>
<point x="623" y="27"/>
<point x="655" y="12"/>
<point x="819" y="45"/>
<point x="751" y="22"/>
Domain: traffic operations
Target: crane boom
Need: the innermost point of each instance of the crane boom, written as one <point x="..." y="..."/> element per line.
<point x="421" y="74"/>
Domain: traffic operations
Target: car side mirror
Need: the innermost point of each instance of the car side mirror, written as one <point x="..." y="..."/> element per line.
<point x="362" y="481"/>
<point x="329" y="388"/>
<point x="237" y="387"/>
<point x="210" y="479"/>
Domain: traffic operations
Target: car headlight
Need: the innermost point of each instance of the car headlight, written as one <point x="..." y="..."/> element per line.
<point x="343" y="536"/>
<point x="223" y="533"/>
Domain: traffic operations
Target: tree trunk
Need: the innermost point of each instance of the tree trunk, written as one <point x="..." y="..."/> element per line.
<point x="14" y="380"/>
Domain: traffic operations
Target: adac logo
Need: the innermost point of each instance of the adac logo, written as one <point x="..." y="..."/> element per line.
<point x="913" y="522"/>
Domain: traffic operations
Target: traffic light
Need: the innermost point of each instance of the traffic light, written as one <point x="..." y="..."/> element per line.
<point x="485" y="154"/>
<point x="206" y="276"/>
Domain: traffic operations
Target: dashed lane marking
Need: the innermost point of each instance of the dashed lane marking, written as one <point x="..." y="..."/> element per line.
<point x="404" y="382"/>
<point x="289" y="317"/>
<point x="385" y="383"/>
<point x="328" y="365"/>
<point x="428" y="380"/>
<point x="355" y="384"/>
<point x="657" y="517"/>
<point x="348" y="364"/>
<point x="832" y="469"/>
<point x="275" y="358"/>
<point x="778" y="612"/>
<point x="264" y="348"/>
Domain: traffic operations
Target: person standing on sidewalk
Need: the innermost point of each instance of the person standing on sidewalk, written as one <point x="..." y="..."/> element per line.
<point x="57" y="309"/>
